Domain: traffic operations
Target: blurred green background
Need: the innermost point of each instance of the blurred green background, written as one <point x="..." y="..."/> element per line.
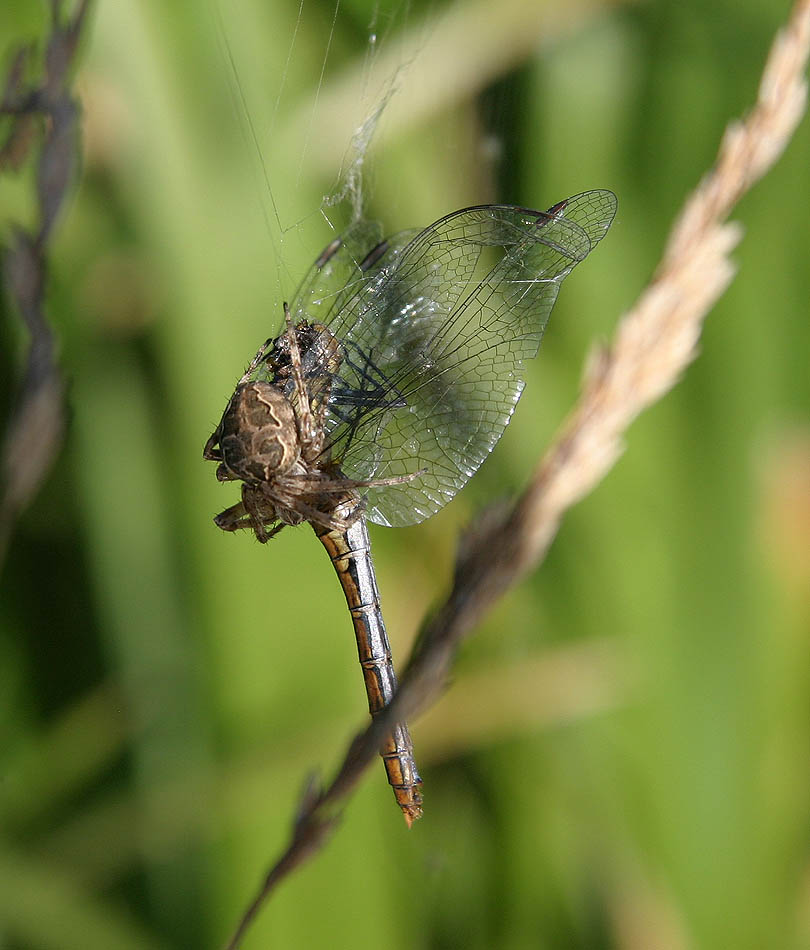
<point x="622" y="758"/>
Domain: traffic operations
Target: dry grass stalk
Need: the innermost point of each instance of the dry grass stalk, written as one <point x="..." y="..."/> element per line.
<point x="657" y="339"/>
<point x="653" y="344"/>
<point x="33" y="434"/>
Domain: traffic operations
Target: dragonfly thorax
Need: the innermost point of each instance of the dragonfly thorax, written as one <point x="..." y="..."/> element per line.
<point x="258" y="436"/>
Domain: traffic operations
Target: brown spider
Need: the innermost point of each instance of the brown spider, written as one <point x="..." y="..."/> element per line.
<point x="273" y="442"/>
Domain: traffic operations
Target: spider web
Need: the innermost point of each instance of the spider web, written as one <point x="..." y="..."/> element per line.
<point x="433" y="351"/>
<point x="319" y="127"/>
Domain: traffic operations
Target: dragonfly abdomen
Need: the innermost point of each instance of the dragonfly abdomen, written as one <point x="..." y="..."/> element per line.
<point x="350" y="553"/>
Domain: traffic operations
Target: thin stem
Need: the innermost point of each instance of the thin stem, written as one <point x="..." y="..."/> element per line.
<point x="653" y="344"/>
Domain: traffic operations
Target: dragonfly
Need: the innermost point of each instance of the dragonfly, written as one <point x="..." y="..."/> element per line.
<point x="397" y="369"/>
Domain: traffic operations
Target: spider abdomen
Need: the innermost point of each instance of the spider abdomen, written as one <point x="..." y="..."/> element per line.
<point x="258" y="436"/>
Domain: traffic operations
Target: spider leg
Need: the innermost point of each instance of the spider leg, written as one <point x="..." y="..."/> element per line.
<point x="333" y="485"/>
<point x="212" y="452"/>
<point x="382" y="482"/>
<point x="304" y="410"/>
<point x="260" y="355"/>
<point x="329" y="519"/>
<point x="233" y="518"/>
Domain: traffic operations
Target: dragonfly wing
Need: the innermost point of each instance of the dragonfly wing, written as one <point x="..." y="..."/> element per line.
<point x="344" y="270"/>
<point x="434" y="344"/>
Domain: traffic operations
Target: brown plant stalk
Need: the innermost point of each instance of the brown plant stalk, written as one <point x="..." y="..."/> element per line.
<point x="41" y="109"/>
<point x="653" y="344"/>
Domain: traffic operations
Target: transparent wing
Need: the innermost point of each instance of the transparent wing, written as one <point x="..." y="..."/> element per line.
<point x="434" y="331"/>
<point x="343" y="270"/>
